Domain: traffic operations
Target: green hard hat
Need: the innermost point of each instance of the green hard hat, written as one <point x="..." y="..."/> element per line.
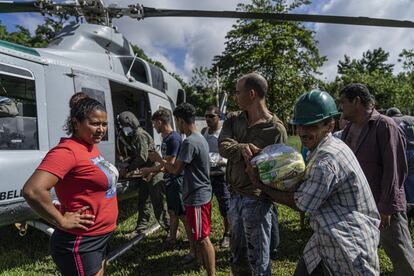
<point x="314" y="107"/>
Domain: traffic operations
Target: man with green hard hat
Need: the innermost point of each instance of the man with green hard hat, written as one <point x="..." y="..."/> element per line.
<point x="335" y="193"/>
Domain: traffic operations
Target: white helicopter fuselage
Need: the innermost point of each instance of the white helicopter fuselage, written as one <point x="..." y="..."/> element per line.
<point x="90" y="58"/>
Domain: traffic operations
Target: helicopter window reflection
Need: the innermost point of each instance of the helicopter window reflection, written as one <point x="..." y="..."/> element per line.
<point x="18" y="130"/>
<point x="100" y="97"/>
<point x="157" y="78"/>
<point x="95" y="94"/>
<point x="9" y="70"/>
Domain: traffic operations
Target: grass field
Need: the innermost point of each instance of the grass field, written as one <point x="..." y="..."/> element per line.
<point x="29" y="255"/>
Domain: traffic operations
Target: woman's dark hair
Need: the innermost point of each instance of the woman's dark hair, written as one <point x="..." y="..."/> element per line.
<point x="186" y="112"/>
<point x="76" y="98"/>
<point x="81" y="105"/>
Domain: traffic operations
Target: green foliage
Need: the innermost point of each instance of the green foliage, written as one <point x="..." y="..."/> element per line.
<point x="372" y="61"/>
<point x="46" y="32"/>
<point x="284" y="53"/>
<point x="205" y="88"/>
<point x="374" y="71"/>
<point x="140" y="53"/>
<point x="407" y="58"/>
<point x="43" y="33"/>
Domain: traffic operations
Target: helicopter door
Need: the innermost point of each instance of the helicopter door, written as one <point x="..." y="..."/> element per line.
<point x="97" y="87"/>
<point x="23" y="132"/>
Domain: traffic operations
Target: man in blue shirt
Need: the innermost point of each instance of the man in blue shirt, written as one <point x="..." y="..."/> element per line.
<point x="171" y="142"/>
<point x="193" y="159"/>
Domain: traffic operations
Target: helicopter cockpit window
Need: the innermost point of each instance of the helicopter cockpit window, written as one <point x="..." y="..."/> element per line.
<point x="18" y="114"/>
<point x="138" y="70"/>
<point x="157" y="78"/>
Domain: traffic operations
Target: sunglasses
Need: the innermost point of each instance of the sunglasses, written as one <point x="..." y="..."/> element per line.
<point x="210" y="116"/>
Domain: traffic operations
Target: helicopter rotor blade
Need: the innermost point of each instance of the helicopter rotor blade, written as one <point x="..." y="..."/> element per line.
<point x="347" y="20"/>
<point x="92" y="9"/>
<point x="14" y="6"/>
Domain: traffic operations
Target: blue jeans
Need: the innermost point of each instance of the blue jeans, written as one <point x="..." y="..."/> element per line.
<point x="275" y="238"/>
<point x="220" y="190"/>
<point x="409" y="182"/>
<point x="250" y="227"/>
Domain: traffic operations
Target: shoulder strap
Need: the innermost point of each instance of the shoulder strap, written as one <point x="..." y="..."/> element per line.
<point x="149" y="139"/>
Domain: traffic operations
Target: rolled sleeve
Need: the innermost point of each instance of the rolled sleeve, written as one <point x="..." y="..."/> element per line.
<point x="228" y="147"/>
<point x="281" y="137"/>
<point x="315" y="190"/>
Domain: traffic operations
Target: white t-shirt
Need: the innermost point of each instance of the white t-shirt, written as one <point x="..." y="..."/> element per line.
<point x="212" y="139"/>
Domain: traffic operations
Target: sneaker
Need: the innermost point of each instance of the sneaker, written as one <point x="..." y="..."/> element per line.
<point x="225" y="242"/>
<point x="134" y="234"/>
<point x="273" y="254"/>
<point x="170" y="242"/>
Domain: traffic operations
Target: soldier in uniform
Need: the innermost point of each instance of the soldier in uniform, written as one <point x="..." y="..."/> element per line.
<point x="134" y="144"/>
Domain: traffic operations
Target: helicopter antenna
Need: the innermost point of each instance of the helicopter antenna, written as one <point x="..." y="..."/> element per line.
<point x="221" y="102"/>
<point x="128" y="74"/>
<point x="218" y="88"/>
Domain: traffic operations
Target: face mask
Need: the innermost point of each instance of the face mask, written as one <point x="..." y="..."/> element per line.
<point x="127" y="131"/>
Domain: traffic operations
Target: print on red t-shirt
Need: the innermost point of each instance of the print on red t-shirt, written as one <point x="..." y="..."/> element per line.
<point x="85" y="179"/>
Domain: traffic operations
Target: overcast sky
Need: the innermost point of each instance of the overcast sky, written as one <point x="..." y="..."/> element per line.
<point x="182" y="44"/>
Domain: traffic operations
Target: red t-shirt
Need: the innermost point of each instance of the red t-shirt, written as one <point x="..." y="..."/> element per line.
<point x="85" y="179"/>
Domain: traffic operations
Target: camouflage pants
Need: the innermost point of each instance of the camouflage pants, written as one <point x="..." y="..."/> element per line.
<point x="152" y="193"/>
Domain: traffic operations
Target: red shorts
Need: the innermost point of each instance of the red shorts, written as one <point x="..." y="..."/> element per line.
<point x="199" y="219"/>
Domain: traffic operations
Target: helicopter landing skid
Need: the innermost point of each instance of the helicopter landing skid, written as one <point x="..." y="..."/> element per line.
<point x="22" y="227"/>
<point x="45" y="228"/>
<point x="125" y="247"/>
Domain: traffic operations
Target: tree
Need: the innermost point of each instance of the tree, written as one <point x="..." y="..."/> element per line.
<point x="47" y="31"/>
<point x="141" y="54"/>
<point x="43" y="33"/>
<point x="205" y="86"/>
<point x="371" y="61"/>
<point x="374" y="71"/>
<point x="406" y="78"/>
<point x="407" y="58"/>
<point x="285" y="53"/>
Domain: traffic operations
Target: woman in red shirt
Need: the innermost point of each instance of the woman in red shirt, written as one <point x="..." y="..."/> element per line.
<point x="85" y="185"/>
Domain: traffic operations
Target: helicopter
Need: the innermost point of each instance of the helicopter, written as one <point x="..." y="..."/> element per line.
<point x="93" y="57"/>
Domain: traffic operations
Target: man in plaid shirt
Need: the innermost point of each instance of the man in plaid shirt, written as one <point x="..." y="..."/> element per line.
<point x="335" y="192"/>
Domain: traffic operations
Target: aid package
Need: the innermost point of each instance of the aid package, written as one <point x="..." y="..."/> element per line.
<point x="280" y="166"/>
